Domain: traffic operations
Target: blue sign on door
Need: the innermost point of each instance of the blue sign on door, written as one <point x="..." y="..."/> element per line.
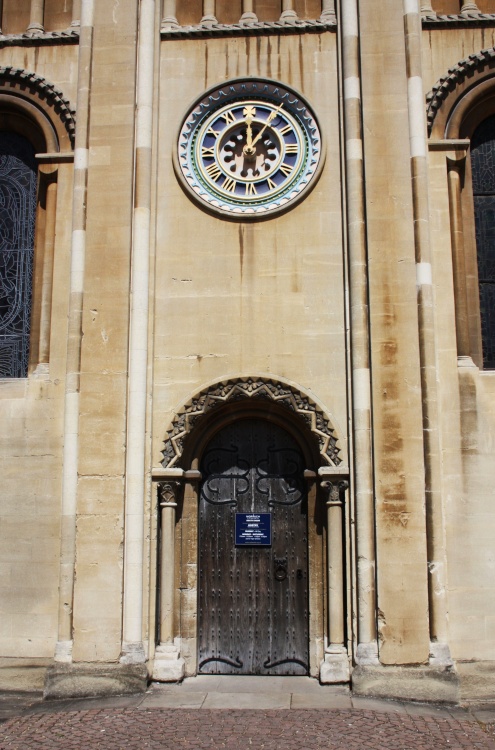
<point x="253" y="529"/>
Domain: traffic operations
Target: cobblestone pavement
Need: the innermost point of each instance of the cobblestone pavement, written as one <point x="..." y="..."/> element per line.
<point x="296" y="729"/>
<point x="210" y="713"/>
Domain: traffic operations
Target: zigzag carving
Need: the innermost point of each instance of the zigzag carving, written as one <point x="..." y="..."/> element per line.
<point x="455" y="76"/>
<point x="20" y="79"/>
<point x="249" y="388"/>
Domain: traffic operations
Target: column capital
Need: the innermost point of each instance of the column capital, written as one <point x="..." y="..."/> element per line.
<point x="169" y="491"/>
<point x="335" y="488"/>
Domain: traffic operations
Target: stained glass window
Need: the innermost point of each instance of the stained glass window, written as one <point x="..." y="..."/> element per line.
<point x="483" y="167"/>
<point x="18" y="178"/>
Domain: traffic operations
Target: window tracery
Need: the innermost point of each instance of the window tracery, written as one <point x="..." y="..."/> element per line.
<point x="18" y="178"/>
<point x="483" y="177"/>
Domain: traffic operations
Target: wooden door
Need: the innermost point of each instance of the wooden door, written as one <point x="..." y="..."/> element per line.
<point x="253" y="599"/>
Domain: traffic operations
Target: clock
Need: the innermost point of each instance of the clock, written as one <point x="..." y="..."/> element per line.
<point x="249" y="148"/>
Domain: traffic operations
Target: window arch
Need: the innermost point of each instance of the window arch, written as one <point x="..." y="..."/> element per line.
<point x="461" y="120"/>
<point x="36" y="135"/>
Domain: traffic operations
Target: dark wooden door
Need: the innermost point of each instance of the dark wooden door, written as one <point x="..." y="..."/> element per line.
<point x="253" y="600"/>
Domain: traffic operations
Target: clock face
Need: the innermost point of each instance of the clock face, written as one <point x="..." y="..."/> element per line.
<point x="249" y="148"/>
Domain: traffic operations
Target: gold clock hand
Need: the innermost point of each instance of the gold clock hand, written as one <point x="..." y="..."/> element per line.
<point x="249" y="113"/>
<point x="270" y="119"/>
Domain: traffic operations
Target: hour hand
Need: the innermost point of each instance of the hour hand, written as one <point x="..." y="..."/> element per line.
<point x="249" y="114"/>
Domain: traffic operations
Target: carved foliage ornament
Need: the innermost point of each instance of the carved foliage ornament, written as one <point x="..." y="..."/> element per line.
<point x="257" y="389"/>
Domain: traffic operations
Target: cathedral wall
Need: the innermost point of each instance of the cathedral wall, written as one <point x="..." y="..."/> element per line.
<point x="31" y="414"/>
<point x="246" y="298"/>
<point x="466" y="403"/>
<point x="444" y="48"/>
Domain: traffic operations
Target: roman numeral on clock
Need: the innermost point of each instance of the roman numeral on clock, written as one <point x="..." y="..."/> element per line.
<point x="214" y="171"/>
<point x="228" y="117"/>
<point x="291" y="148"/>
<point x="214" y="133"/>
<point x="285" y="130"/>
<point x="251" y="189"/>
<point x="229" y="184"/>
<point x="286" y="169"/>
<point x="206" y="153"/>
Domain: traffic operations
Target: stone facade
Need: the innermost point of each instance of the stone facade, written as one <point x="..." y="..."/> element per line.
<point x="352" y="318"/>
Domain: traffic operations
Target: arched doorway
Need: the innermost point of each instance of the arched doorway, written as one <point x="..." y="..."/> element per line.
<point x="255" y="447"/>
<point x="253" y="553"/>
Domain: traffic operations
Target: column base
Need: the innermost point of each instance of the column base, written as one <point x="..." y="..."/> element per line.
<point x="248" y="17"/>
<point x="328" y="16"/>
<point x="168" y="665"/>
<point x="132" y="653"/>
<point x="367" y="654"/>
<point x="94" y="680"/>
<point x="427" y="684"/>
<point x="288" y="16"/>
<point x="440" y="655"/>
<point x="63" y="652"/>
<point x="334" y="668"/>
<point x="170" y="22"/>
<point x="35" y="30"/>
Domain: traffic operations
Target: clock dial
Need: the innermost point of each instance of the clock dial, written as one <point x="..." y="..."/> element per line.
<point x="249" y="148"/>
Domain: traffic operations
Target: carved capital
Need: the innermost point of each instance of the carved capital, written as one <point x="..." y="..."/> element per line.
<point x="169" y="493"/>
<point x="335" y="490"/>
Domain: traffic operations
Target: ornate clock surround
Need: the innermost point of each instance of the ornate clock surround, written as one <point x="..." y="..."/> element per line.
<point x="248" y="149"/>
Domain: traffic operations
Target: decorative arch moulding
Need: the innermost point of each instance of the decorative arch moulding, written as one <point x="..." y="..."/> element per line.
<point x="465" y="74"/>
<point x="36" y="89"/>
<point x="258" y="389"/>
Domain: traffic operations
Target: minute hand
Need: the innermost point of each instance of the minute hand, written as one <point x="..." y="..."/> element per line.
<point x="270" y="119"/>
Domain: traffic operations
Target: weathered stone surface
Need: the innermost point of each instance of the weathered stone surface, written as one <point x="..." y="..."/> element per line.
<point x="86" y="680"/>
<point x="407" y="683"/>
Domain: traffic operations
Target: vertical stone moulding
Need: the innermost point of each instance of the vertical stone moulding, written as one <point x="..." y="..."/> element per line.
<point x="335" y="666"/>
<point x="168" y="665"/>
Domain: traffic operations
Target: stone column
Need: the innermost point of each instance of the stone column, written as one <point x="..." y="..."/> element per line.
<point x="46" y="291"/>
<point x="327" y="10"/>
<point x="248" y="14"/>
<point x="435" y="522"/>
<point x="63" y="649"/>
<point x="76" y="13"/>
<point x="168" y="666"/>
<point x="367" y="648"/>
<point x="135" y="473"/>
<point x="455" y="173"/>
<point x="288" y="11"/>
<point x="209" y="16"/>
<point x="335" y="667"/>
<point x="36" y="18"/>
<point x="169" y="20"/>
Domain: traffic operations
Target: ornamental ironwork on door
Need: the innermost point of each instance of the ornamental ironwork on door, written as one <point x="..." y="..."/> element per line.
<point x="253" y="553"/>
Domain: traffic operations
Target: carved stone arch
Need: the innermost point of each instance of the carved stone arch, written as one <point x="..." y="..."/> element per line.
<point x="27" y="98"/>
<point x="458" y="91"/>
<point x="276" y="391"/>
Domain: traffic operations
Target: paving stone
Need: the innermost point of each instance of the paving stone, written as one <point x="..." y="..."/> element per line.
<point x="247" y="700"/>
<point x="170" y="699"/>
<point x="170" y="729"/>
